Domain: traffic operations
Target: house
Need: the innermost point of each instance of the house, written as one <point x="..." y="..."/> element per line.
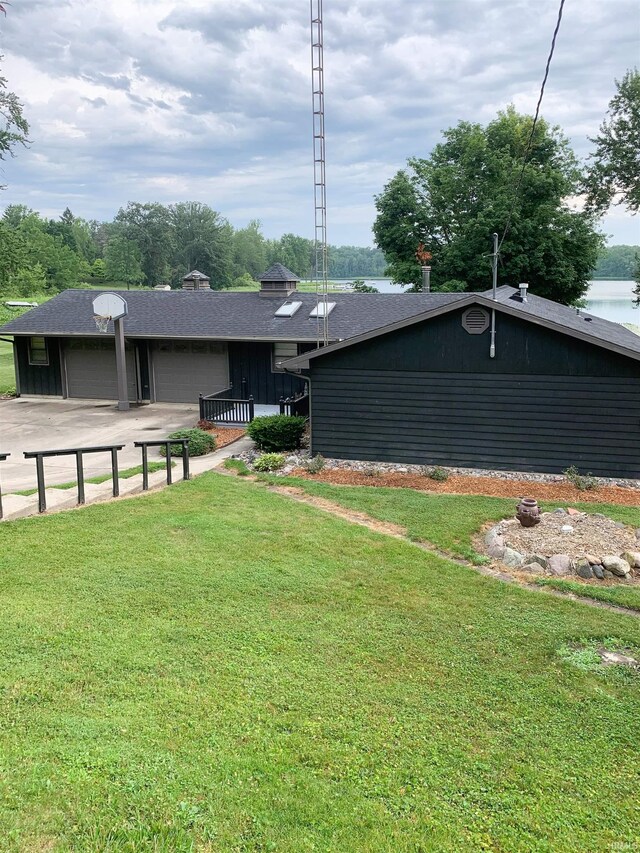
<point x="518" y="383"/>
<point x="180" y="344"/>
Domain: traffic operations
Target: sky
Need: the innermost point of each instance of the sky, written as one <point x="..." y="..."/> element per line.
<point x="210" y="100"/>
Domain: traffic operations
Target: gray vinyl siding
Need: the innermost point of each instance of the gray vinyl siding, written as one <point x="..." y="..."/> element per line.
<point x="542" y="404"/>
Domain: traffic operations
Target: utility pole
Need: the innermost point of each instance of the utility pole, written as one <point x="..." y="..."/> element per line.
<point x="319" y="173"/>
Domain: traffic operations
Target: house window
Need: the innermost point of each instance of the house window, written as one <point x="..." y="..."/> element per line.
<point x="38" y="353"/>
<point x="281" y="352"/>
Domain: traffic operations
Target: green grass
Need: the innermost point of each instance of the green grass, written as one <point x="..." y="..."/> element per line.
<point x="216" y="667"/>
<point x="102" y="478"/>
<point x="620" y="594"/>
<point x="7" y="372"/>
<point x="241" y="468"/>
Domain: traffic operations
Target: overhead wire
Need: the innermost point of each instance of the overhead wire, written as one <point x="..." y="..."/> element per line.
<point x="533" y="126"/>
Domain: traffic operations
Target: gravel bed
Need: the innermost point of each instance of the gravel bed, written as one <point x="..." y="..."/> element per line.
<point x="591" y="534"/>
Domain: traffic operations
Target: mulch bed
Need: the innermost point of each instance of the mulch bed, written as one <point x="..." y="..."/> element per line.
<point x="487" y="486"/>
<point x="225" y="435"/>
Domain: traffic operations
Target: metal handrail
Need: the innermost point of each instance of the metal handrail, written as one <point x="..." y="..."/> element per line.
<point x="3" y="456"/>
<point x="164" y="442"/>
<point x="78" y="452"/>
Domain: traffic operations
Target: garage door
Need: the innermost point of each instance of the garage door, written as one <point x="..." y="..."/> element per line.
<point x="184" y="370"/>
<point x="91" y="370"/>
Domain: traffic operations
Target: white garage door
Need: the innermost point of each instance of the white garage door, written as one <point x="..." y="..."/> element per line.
<point x="91" y="370"/>
<point x="183" y="370"/>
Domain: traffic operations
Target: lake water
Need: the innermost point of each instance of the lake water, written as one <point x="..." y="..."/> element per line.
<point x="612" y="300"/>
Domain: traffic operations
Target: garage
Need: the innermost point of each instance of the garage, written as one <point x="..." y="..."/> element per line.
<point x="90" y="369"/>
<point x="182" y="370"/>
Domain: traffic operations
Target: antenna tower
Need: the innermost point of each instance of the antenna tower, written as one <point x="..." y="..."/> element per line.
<point x="319" y="172"/>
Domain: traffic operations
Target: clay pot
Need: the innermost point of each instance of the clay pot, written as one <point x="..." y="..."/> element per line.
<point x="528" y="512"/>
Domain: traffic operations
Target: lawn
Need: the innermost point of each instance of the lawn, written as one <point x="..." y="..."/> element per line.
<point x="215" y="667"/>
<point x="450" y="521"/>
<point x="7" y="372"/>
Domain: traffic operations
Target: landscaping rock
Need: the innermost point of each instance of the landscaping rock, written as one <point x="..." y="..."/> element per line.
<point x="496" y="551"/>
<point x="583" y="569"/>
<point x="595" y="561"/>
<point x="638" y="534"/>
<point x="633" y="558"/>
<point x="598" y="572"/>
<point x="533" y="569"/>
<point x="617" y="565"/>
<point x="538" y="558"/>
<point x="560" y="565"/>
<point x="493" y="537"/>
<point x="567" y="528"/>
<point x="512" y="559"/>
<point x="572" y="511"/>
<point x="559" y="511"/>
<point x="607" y="575"/>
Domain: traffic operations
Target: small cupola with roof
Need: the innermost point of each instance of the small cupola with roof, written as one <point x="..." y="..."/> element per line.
<point x="196" y="281"/>
<point x="278" y="281"/>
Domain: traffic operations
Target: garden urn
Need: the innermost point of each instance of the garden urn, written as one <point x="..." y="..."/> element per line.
<point x="528" y="512"/>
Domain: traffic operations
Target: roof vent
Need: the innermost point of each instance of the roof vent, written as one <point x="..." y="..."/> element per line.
<point x="475" y="320"/>
<point x="278" y="281"/>
<point x="288" y="309"/>
<point x="196" y="280"/>
<point x="319" y="311"/>
<point x="523" y="290"/>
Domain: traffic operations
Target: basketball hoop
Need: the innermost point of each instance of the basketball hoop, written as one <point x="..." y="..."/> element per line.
<point x="102" y="323"/>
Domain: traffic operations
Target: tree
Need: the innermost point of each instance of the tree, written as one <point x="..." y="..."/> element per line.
<point x="636" y="277"/>
<point x="203" y="240"/>
<point x="614" y="173"/>
<point x="473" y="185"/>
<point x="16" y="128"/>
<point x="149" y="226"/>
<point x="249" y="250"/>
<point x="122" y="261"/>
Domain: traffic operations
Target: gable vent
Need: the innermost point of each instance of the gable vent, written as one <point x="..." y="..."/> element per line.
<point x="475" y="321"/>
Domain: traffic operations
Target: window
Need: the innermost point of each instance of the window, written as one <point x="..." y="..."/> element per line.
<point x="281" y="352"/>
<point x="288" y="309"/>
<point x="38" y="353"/>
<point x="318" y="311"/>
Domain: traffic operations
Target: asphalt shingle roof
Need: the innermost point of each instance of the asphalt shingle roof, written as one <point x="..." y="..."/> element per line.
<point x="220" y="314"/>
<point x="278" y="272"/>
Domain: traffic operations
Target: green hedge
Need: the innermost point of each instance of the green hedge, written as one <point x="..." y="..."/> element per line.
<point x="200" y="442"/>
<point x="277" y="432"/>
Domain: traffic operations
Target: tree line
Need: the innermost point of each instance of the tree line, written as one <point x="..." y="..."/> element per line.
<point x="617" y="262"/>
<point x="150" y="244"/>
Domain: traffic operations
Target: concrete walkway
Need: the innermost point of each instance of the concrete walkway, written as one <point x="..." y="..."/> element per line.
<point x="49" y="424"/>
<point x="22" y="506"/>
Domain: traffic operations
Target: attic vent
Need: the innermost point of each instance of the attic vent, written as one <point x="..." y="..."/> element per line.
<point x="288" y="309"/>
<point x="475" y="321"/>
<point x="318" y="311"/>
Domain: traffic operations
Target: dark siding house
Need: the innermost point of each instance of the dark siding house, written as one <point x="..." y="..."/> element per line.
<point x="180" y="344"/>
<point x="562" y="388"/>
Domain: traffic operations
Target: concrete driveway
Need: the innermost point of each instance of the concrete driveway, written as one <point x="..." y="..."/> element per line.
<point x="35" y="424"/>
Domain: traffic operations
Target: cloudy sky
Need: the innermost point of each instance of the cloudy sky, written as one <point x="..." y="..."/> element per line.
<point x="209" y="100"/>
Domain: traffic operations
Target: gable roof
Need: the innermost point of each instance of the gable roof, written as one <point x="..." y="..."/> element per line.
<point x="223" y="315"/>
<point x="278" y="272"/>
<point x="536" y="309"/>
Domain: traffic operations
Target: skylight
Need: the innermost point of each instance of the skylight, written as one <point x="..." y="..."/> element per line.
<point x="318" y="311"/>
<point x="288" y="309"/>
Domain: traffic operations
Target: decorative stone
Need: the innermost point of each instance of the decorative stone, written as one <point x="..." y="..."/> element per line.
<point x="617" y="659"/>
<point x="533" y="569"/>
<point x="493" y="537"/>
<point x="595" y="561"/>
<point x="512" y="559"/>
<point x="620" y="525"/>
<point x="560" y="564"/>
<point x="583" y="569"/>
<point x="567" y="528"/>
<point x="572" y="511"/>
<point x="538" y="558"/>
<point x="496" y="551"/>
<point x="607" y="575"/>
<point x="617" y="565"/>
<point x="633" y="558"/>
<point x="638" y="534"/>
<point x="528" y="512"/>
<point x="598" y="572"/>
<point x="559" y="511"/>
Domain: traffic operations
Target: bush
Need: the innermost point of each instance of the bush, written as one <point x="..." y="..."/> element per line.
<point x="277" y="432"/>
<point x="436" y="473"/>
<point x="582" y="482"/>
<point x="314" y="465"/>
<point x="205" y="425"/>
<point x="269" y="462"/>
<point x="200" y="442"/>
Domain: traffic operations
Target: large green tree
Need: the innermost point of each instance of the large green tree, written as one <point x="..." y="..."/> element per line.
<point x="614" y="171"/>
<point x="203" y="240"/>
<point x="474" y="184"/>
<point x="122" y="261"/>
<point x="149" y="227"/>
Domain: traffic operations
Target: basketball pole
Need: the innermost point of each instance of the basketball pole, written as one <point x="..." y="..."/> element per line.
<point x="121" y="366"/>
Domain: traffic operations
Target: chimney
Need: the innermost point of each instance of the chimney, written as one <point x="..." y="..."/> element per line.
<point x="196" y="281"/>
<point x="523" y="290"/>
<point x="278" y="281"/>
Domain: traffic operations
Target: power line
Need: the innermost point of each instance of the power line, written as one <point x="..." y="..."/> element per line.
<point x="533" y="126"/>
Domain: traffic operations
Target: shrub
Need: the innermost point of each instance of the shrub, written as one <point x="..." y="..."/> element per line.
<point x="277" y="432"/>
<point x="314" y="465"/>
<point x="371" y="471"/>
<point x="582" y="482"/>
<point x="436" y="473"/>
<point x="269" y="462"/>
<point x="205" y="424"/>
<point x="200" y="442"/>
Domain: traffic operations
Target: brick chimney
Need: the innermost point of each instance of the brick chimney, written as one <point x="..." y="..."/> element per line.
<point x="196" y="281"/>
<point x="278" y="281"/>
